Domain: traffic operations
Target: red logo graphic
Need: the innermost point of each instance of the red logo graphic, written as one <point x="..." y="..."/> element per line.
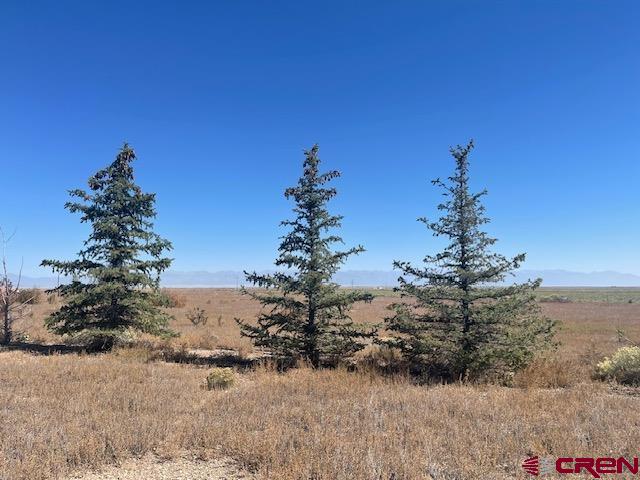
<point x="538" y="466"/>
<point x="532" y="465"/>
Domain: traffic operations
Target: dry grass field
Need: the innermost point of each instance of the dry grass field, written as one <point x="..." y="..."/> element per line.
<point x="65" y="414"/>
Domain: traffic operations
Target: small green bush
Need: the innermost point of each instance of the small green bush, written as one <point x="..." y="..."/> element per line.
<point x="623" y="366"/>
<point x="220" y="379"/>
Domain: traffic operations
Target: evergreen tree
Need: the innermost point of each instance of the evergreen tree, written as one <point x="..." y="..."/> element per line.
<point x="115" y="279"/>
<point x="308" y="315"/>
<point x="460" y="324"/>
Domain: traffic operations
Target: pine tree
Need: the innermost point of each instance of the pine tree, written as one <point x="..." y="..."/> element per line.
<point x="308" y="314"/>
<point x="460" y="323"/>
<point x="116" y="276"/>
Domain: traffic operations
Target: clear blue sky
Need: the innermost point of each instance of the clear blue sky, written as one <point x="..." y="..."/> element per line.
<point x="220" y="98"/>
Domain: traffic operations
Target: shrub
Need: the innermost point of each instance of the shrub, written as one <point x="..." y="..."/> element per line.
<point x="197" y="316"/>
<point x="220" y="379"/>
<point x="623" y="366"/>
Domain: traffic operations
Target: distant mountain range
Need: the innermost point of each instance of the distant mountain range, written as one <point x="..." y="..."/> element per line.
<point x="383" y="278"/>
<point x="376" y="278"/>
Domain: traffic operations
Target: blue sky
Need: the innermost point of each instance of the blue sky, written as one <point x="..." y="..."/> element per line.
<point x="220" y="98"/>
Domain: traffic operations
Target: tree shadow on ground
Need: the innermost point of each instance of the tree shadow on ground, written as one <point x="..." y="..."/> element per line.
<point x="226" y="359"/>
<point x="43" y="349"/>
<point x="204" y="358"/>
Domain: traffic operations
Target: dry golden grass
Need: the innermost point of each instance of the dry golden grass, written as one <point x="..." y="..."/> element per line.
<point x="60" y="414"/>
<point x="221" y="305"/>
<point x="64" y="413"/>
<point x="586" y="326"/>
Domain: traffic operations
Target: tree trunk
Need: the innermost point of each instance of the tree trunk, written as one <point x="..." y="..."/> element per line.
<point x="7" y="325"/>
<point x="312" y="341"/>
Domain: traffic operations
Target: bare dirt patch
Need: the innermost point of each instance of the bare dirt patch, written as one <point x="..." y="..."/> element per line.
<point x="152" y="467"/>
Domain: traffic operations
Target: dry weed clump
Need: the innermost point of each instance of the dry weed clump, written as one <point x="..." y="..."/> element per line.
<point x="197" y="316"/>
<point x="552" y="371"/>
<point x="220" y="379"/>
<point x="70" y="413"/>
<point x="30" y="296"/>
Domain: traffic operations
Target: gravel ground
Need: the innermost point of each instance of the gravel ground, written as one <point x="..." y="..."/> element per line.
<point x="154" y="468"/>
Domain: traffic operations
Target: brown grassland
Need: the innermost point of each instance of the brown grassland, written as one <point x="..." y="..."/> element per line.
<point x="68" y="413"/>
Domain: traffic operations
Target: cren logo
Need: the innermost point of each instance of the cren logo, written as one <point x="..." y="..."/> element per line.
<point x="538" y="466"/>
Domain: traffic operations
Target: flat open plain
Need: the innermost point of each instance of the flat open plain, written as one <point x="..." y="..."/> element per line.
<point x="128" y="412"/>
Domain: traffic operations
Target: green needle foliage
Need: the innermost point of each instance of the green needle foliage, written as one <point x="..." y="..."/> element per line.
<point x="307" y="315"/>
<point x="115" y="279"/>
<point x="460" y="324"/>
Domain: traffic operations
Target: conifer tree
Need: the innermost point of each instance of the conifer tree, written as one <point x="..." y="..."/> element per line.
<point x="461" y="323"/>
<point x="307" y="315"/>
<point x="115" y="277"/>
